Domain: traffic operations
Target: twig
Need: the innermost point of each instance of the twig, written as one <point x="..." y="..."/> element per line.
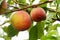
<point x="14" y="7"/>
<point x="28" y="7"/>
<point x="52" y="10"/>
<point x="4" y="22"/>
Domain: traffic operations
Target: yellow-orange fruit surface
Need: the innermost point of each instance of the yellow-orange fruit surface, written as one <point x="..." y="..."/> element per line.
<point x="21" y="20"/>
<point x="38" y="14"/>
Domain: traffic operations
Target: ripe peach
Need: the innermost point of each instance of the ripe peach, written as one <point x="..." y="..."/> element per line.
<point x="21" y="20"/>
<point x="38" y="14"/>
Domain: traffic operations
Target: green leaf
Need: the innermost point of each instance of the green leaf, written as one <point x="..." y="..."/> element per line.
<point x="31" y="1"/>
<point x="8" y="15"/>
<point x="44" y="5"/>
<point x="51" y="38"/>
<point x="5" y="29"/>
<point x="58" y="37"/>
<point x="48" y="25"/>
<point x="43" y="38"/>
<point x="40" y="28"/>
<point x="36" y="31"/>
<point x="29" y="10"/>
<point x="48" y="38"/>
<point x="43" y="0"/>
<point x="22" y="1"/>
<point x="54" y="27"/>
<point x="7" y="38"/>
<point x="49" y="20"/>
<point x="57" y="1"/>
<point x="51" y="33"/>
<point x="50" y="16"/>
<point x="10" y="2"/>
<point x="58" y="11"/>
<point x="33" y="33"/>
<point x="11" y="31"/>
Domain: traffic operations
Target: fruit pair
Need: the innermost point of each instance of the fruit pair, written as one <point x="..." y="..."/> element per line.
<point x="21" y="20"/>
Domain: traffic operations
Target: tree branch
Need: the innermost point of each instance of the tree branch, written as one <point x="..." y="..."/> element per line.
<point x="52" y="10"/>
<point x="32" y="6"/>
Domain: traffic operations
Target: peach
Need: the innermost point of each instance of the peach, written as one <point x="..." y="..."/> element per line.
<point x="38" y="14"/>
<point x="21" y="20"/>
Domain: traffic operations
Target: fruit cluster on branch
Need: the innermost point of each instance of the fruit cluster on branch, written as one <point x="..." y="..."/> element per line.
<point x="5" y="5"/>
<point x="21" y="20"/>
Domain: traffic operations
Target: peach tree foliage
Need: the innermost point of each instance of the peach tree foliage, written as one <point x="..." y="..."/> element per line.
<point x="35" y="31"/>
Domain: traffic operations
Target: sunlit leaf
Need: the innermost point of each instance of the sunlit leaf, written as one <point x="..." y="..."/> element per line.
<point x="10" y="31"/>
<point x="31" y="1"/>
<point x="10" y="2"/>
<point x="7" y="38"/>
<point x="48" y="38"/>
<point x="57" y="1"/>
<point x="44" y="5"/>
<point x="54" y="27"/>
<point x="5" y="29"/>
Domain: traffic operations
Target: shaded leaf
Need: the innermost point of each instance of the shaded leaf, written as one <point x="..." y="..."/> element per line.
<point x="36" y="31"/>
<point x="8" y="15"/>
<point x="11" y="31"/>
